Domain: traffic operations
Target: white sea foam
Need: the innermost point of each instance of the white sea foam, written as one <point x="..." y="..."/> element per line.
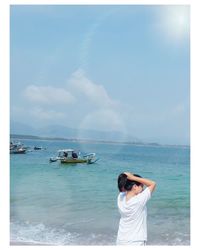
<point x="41" y="234"/>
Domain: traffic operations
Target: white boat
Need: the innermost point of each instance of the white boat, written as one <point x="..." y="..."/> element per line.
<point x="69" y="156"/>
<point x="17" y="148"/>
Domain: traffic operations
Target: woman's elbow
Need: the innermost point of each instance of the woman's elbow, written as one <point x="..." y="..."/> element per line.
<point x="153" y="186"/>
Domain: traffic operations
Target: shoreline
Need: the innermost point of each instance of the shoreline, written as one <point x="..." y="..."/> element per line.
<point x="18" y="243"/>
<point x="94" y="141"/>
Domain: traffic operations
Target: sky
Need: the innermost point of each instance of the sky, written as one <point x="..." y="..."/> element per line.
<point x="119" y="68"/>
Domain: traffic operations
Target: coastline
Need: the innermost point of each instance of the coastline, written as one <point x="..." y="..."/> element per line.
<point x="17" y="243"/>
<point x="76" y="140"/>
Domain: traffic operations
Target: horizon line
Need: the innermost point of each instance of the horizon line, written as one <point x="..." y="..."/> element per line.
<point x="35" y="137"/>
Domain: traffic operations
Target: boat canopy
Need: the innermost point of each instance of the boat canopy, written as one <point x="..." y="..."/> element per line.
<point x="66" y="150"/>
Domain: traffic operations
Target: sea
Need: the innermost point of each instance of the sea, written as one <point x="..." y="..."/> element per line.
<point x="65" y="204"/>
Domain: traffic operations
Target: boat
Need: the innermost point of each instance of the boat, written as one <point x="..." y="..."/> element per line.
<point x="38" y="148"/>
<point x="18" y="151"/>
<point x="17" y="148"/>
<point x="70" y="156"/>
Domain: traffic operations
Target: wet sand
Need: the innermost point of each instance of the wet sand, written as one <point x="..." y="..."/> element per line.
<point x="14" y="243"/>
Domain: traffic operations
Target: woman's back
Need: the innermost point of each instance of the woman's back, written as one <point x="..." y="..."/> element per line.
<point x="133" y="222"/>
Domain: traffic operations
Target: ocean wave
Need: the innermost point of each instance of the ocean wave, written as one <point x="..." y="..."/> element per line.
<point x="40" y="234"/>
<point x="170" y="239"/>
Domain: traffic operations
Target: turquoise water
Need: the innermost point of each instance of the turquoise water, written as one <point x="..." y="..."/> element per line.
<point x="60" y="204"/>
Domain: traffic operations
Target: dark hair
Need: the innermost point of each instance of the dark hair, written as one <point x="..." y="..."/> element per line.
<point x="129" y="184"/>
<point x="122" y="178"/>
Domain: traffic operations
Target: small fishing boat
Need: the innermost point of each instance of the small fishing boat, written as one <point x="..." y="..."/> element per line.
<point x="17" y="148"/>
<point x="69" y="156"/>
<point x="38" y="148"/>
<point x="18" y="151"/>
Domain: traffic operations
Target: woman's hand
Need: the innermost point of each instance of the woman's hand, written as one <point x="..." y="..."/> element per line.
<point x="129" y="175"/>
<point x="149" y="183"/>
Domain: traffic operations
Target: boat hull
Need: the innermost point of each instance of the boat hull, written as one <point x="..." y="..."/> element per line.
<point x="73" y="161"/>
<point x="70" y="156"/>
<point x="22" y="151"/>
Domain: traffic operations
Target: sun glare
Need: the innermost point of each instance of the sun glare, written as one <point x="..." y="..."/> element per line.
<point x="175" y="22"/>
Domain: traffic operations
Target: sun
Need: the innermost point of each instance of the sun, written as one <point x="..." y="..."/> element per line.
<point x="175" y="21"/>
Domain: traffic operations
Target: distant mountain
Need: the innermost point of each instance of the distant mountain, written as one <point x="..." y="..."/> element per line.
<point x="21" y="128"/>
<point x="71" y="133"/>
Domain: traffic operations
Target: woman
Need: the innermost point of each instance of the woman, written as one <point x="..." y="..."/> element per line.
<point x="132" y="207"/>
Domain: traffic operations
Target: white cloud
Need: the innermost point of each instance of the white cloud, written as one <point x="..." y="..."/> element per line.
<point x="37" y="114"/>
<point x="100" y="111"/>
<point x="47" y="95"/>
<point x="104" y="120"/>
<point x="41" y="114"/>
<point x="89" y="105"/>
<point x="95" y="93"/>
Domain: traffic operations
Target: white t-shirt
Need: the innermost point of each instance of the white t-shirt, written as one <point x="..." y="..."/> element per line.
<point x="133" y="222"/>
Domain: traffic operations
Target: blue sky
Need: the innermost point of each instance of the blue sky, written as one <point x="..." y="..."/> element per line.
<point x="112" y="68"/>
